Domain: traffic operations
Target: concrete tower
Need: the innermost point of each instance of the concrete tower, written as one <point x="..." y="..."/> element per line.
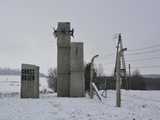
<point x="63" y="34"/>
<point x="70" y="68"/>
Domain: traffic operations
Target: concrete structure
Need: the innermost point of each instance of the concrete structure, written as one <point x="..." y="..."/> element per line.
<point x="70" y="82"/>
<point x="29" y="81"/>
<point x="77" y="83"/>
<point x="63" y="58"/>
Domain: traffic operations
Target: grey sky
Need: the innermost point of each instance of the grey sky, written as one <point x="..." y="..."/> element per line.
<point x="26" y="29"/>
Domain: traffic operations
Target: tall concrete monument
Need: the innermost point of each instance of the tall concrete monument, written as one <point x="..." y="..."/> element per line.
<point x="29" y="81"/>
<point x="70" y="82"/>
<point x="63" y="34"/>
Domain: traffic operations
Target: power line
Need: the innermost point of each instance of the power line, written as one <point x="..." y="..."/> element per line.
<point x="144" y="59"/>
<point x="151" y="66"/>
<point x="138" y="50"/>
<point x="144" y="48"/>
<point x="136" y="53"/>
<point x="132" y="60"/>
<point x="145" y="52"/>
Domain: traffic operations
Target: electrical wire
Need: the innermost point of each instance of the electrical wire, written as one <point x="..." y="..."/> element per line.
<point x="144" y="59"/>
<point x="151" y="66"/>
<point x="144" y="48"/>
<point x="144" y="52"/>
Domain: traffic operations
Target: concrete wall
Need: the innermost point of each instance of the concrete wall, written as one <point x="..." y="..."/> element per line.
<point x="29" y="81"/>
<point x="77" y="83"/>
<point x="63" y="59"/>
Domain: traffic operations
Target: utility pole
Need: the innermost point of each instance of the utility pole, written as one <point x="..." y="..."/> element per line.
<point x="91" y="75"/>
<point x="118" y="85"/>
<point x="120" y="70"/>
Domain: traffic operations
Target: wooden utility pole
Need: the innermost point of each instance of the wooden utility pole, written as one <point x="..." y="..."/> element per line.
<point x="120" y="70"/>
<point x="118" y="85"/>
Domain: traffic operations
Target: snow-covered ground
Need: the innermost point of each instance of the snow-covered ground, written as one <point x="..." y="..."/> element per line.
<point x="138" y="105"/>
<point x="11" y="84"/>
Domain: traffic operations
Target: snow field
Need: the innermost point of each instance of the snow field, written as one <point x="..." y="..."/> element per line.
<point x="138" y="105"/>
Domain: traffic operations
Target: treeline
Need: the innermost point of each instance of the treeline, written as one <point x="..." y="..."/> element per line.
<point x="152" y="83"/>
<point x="136" y="81"/>
<point x="133" y="83"/>
<point x="16" y="72"/>
<point x="8" y="71"/>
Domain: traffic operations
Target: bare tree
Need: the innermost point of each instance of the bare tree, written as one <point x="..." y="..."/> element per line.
<point x="136" y="73"/>
<point x="52" y="79"/>
<point x="137" y="81"/>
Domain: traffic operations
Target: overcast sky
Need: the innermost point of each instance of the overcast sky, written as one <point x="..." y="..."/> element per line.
<point x="26" y="30"/>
